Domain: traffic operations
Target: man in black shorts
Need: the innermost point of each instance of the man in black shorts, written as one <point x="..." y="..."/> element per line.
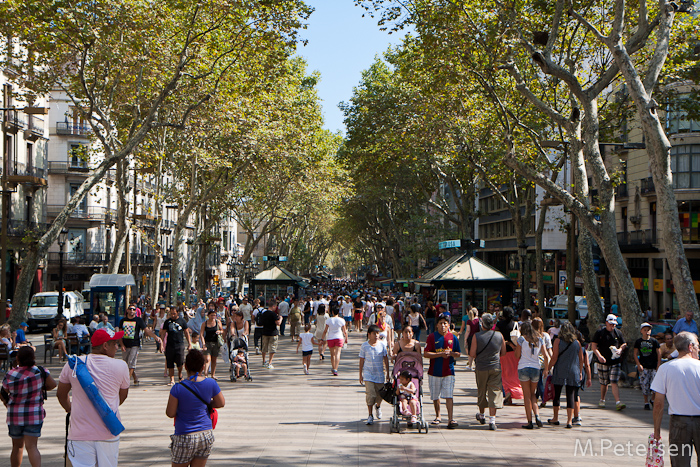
<point x="175" y="328"/>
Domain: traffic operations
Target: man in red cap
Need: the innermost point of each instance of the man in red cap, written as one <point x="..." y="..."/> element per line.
<point x="90" y="442"/>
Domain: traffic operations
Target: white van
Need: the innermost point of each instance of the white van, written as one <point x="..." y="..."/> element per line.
<point x="43" y="308"/>
<point x="560" y="309"/>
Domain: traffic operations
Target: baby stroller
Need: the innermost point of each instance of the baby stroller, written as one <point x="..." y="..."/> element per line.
<point x="413" y="363"/>
<point x="233" y="346"/>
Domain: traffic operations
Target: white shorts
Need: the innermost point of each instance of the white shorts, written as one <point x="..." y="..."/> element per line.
<point x="441" y="387"/>
<point x="93" y="453"/>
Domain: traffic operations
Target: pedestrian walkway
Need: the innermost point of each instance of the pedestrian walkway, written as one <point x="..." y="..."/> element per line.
<point x="283" y="417"/>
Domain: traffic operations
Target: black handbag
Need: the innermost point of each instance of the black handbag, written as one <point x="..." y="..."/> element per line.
<point x="387" y="392"/>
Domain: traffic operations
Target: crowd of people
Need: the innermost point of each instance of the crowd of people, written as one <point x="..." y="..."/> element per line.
<point x="512" y="357"/>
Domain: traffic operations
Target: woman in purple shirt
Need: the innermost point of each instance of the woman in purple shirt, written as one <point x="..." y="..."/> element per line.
<point x="193" y="439"/>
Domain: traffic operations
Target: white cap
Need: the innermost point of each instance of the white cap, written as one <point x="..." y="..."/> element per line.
<point x="644" y="325"/>
<point x="611" y="319"/>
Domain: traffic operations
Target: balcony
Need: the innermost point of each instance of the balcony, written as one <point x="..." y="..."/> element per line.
<point x="73" y="166"/>
<point x="78" y="258"/>
<point x="648" y="187"/>
<point x="638" y="240"/>
<point x="21" y="174"/>
<point x="17" y="228"/>
<point x="621" y="191"/>
<point x="73" y="129"/>
<point x="35" y="128"/>
<point x="13" y="121"/>
<point x="86" y="213"/>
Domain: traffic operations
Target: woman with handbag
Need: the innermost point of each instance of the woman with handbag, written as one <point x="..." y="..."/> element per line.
<point x="194" y="416"/>
<point x="212" y="340"/>
<point x="567" y="362"/>
<point x="508" y="327"/>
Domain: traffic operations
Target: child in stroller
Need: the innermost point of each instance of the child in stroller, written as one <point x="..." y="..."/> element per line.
<point x="406" y="391"/>
<point x="239" y="363"/>
<point x="408" y="377"/>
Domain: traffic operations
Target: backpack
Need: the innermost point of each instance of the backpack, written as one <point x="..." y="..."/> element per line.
<point x="258" y="316"/>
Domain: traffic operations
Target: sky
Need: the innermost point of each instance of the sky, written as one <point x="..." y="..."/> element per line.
<point x="341" y="44"/>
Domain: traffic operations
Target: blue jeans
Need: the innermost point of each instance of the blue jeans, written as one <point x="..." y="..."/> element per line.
<point x="282" y="325"/>
<point x="416" y="332"/>
<point x="430" y="324"/>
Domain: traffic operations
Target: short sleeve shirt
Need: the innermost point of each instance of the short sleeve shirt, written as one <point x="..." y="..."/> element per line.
<point x="132" y="331"/>
<point x="192" y="415"/>
<point x="648" y="352"/>
<point x="26" y="404"/>
<point x="436" y="342"/>
<point x="604" y="339"/>
<point x="176" y="332"/>
<point x="110" y="375"/>
<point x="373" y="369"/>
<point x="269" y="323"/>
<point x="683" y="325"/>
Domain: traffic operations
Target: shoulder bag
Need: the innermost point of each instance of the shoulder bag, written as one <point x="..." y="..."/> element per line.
<point x="213" y="414"/>
<point x="515" y="333"/>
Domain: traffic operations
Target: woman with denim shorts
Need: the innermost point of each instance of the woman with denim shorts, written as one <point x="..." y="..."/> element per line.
<point x="23" y="394"/>
<point x="529" y="346"/>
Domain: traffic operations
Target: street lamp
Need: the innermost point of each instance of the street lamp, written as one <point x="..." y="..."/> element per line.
<point x="61" y="243"/>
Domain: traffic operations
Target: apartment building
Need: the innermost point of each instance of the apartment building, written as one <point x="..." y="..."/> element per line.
<point x="639" y="233"/>
<point x="23" y="169"/>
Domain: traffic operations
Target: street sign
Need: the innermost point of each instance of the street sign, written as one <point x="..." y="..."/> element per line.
<point x="449" y="244"/>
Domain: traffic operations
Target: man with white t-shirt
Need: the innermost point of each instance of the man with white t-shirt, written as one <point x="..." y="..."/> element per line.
<point x="678" y="381"/>
<point x="283" y="311"/>
<point x="90" y="442"/>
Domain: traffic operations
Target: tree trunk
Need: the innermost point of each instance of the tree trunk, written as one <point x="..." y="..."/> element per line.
<point x="539" y="260"/>
<point x="203" y="253"/>
<point x="157" y="247"/>
<point x="590" y="279"/>
<point x="123" y="223"/>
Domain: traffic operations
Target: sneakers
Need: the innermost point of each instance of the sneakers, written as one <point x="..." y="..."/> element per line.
<point x="379" y="412"/>
<point x="265" y="364"/>
<point x="492" y="426"/>
<point x="647" y="407"/>
<point x="270" y="367"/>
<point x="481" y="418"/>
<point x="620" y="406"/>
<point x="576" y="421"/>
<point x="257" y="350"/>
<point x="370" y="420"/>
<point x="601" y="404"/>
<point x="335" y="373"/>
<point x="306" y="371"/>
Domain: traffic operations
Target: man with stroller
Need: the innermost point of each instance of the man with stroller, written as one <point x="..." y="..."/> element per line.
<point x="441" y="348"/>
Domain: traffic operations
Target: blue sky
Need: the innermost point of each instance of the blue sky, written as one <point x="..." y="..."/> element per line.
<point x="341" y="45"/>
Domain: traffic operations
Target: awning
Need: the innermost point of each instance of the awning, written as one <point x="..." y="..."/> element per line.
<point x="111" y="280"/>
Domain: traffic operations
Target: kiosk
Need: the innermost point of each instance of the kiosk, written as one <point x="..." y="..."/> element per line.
<point x="108" y="295"/>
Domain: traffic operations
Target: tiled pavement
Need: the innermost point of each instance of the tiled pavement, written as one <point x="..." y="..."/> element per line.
<point x="283" y="417"/>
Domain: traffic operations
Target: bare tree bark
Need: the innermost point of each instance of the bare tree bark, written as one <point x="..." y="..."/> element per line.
<point x="123" y="221"/>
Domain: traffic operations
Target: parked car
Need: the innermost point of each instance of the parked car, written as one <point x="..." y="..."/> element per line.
<point x="43" y="308"/>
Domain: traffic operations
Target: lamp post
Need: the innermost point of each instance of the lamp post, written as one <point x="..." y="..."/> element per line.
<point x="61" y="243"/>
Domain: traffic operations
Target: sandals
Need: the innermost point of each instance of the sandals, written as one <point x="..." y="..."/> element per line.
<point x="436" y="422"/>
<point x="452" y="425"/>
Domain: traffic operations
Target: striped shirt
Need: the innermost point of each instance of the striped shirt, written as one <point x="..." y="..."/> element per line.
<point x="26" y="405"/>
